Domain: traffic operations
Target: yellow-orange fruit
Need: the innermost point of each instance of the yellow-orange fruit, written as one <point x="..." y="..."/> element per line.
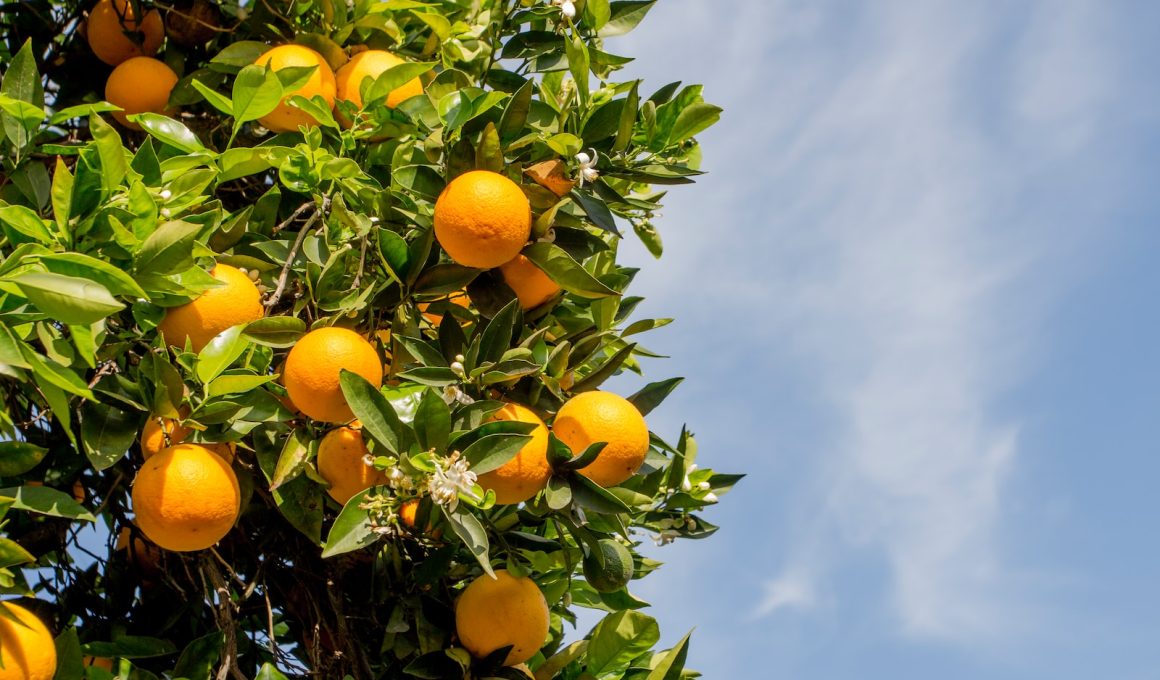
<point x="140" y="85"/>
<point x="591" y="417"/>
<point x="26" y="645"/>
<point x="371" y="64"/>
<point x="286" y="118"/>
<point x="213" y="311"/>
<point x="523" y="476"/>
<point x="461" y="299"/>
<point x="342" y="462"/>
<point x="482" y="219"/>
<point x="161" y="433"/>
<point x="186" y="498"/>
<point x="106" y="29"/>
<point x="530" y="284"/>
<point x="314" y="365"/>
<point x="507" y="610"/>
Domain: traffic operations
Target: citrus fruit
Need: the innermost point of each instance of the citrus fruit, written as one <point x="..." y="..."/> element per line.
<point x="523" y="476"/>
<point x="409" y="513"/>
<point x="106" y="29"/>
<point x="215" y="310"/>
<point x="617" y="569"/>
<point x="591" y="417"/>
<point x="160" y="433"/>
<point x="501" y="611"/>
<point x="186" y="498"/>
<point x="530" y="284"/>
<point x="314" y="365"/>
<point x="461" y="299"/>
<point x="342" y="463"/>
<point x="26" y="645"/>
<point x="371" y="64"/>
<point x="140" y="85"/>
<point x="192" y="22"/>
<point x="482" y="219"/>
<point x="286" y="118"/>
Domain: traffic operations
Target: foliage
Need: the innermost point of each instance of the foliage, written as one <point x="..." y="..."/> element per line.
<point x="102" y="229"/>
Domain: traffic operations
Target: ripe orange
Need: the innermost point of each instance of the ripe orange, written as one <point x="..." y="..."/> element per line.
<point x="107" y="25"/>
<point x="186" y="498"/>
<point x="191" y="23"/>
<point x="26" y="647"/>
<point x="314" y="365"/>
<point x="523" y="476"/>
<point x="140" y="85"/>
<point x="530" y="284"/>
<point x="286" y="118"/>
<point x="461" y="298"/>
<point x="482" y="219"/>
<point x="507" y="610"/>
<point x="371" y="64"/>
<point x="342" y="462"/>
<point x="591" y="417"/>
<point x="409" y="517"/>
<point x="214" y="311"/>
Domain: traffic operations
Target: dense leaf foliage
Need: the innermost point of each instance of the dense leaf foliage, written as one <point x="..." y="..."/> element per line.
<point x="102" y="229"/>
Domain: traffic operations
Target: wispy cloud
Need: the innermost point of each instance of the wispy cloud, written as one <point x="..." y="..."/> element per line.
<point x="875" y="184"/>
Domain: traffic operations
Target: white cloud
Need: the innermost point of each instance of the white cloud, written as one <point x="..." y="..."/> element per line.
<point x="874" y="184"/>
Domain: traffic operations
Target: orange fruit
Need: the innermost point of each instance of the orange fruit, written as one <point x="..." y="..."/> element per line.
<point x="342" y="462"/>
<point x="523" y="476"/>
<point x="186" y="498"/>
<point x="591" y="417"/>
<point x="140" y="85"/>
<point x="314" y="365"/>
<point x="409" y="513"/>
<point x="482" y="219"/>
<point x="461" y="298"/>
<point x="371" y="64"/>
<point x="26" y="648"/>
<point x="214" y="311"/>
<point x="106" y="29"/>
<point x="530" y="284"/>
<point x="191" y="23"/>
<point x="286" y="118"/>
<point x="501" y="611"/>
<point x="161" y="433"/>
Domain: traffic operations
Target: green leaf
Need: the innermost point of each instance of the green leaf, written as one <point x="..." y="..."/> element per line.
<point x="69" y="660"/>
<point x="236" y="384"/>
<point x="131" y="647"/>
<point x="167" y="250"/>
<point x="565" y="144"/>
<point x="68" y="299"/>
<point x="376" y="414"/>
<point x="432" y="376"/>
<point x="454" y="109"/>
<point x="606" y="370"/>
<point x="627" y="118"/>
<point x="625" y="16"/>
<point x="222" y="351"/>
<point x="21" y="82"/>
<point x="275" y="331"/>
<point x="12" y="554"/>
<point x="171" y="132"/>
<point x="445" y="278"/>
<point x="45" y="500"/>
<point x="240" y="53"/>
<point x="596" y="210"/>
<point x="432" y="422"/>
<point x="597" y="13"/>
<point x="565" y="271"/>
<point x="16" y="458"/>
<point x="558" y="493"/>
<point x="351" y="529"/>
<point x="578" y="63"/>
<point x="695" y="118"/>
<point x="672" y="662"/>
<point x="473" y="535"/>
<point x="198" y="660"/>
<point x="20" y="220"/>
<point x="111" y="151"/>
<point x="488" y="154"/>
<point x="107" y="433"/>
<point x="269" y="672"/>
<point x="86" y="267"/>
<point x="515" y="114"/>
<point x="257" y="91"/>
<point x="619" y="638"/>
<point x="62" y="193"/>
<point x="392" y="79"/>
<point x="493" y="451"/>
<point x="300" y="502"/>
<point x="292" y="460"/>
<point x="497" y="335"/>
<point x="216" y="99"/>
<point x="421" y="350"/>
<point x="592" y="496"/>
<point x="651" y="395"/>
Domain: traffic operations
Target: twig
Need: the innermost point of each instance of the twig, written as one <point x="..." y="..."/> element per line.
<point x="362" y="258"/>
<point x="294" y="253"/>
<point x="269" y="619"/>
<point x="293" y="216"/>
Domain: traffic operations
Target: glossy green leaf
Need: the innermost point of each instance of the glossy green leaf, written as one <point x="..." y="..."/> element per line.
<point x="376" y="414"/>
<point x="44" y="500"/>
<point x="222" y="351"/>
<point x="199" y="659"/>
<point x="167" y="130"/>
<point x="257" y="92"/>
<point x="473" y="535"/>
<point x="68" y="299"/>
<point x="352" y="528"/>
<point x="565" y="271"/>
<point x="16" y="458"/>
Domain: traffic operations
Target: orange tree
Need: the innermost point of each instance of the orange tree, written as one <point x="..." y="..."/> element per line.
<point x="306" y="309"/>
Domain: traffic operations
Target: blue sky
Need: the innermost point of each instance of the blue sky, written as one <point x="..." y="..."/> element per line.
<point x="916" y="302"/>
